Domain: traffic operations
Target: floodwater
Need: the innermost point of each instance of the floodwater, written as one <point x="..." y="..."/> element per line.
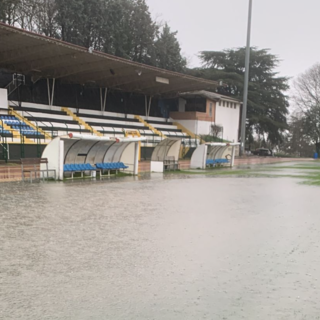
<point x="179" y="248"/>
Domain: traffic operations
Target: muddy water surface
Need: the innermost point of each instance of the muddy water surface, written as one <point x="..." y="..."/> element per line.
<point x="180" y="248"/>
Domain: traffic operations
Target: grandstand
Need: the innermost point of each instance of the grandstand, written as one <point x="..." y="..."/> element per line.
<point x="56" y="88"/>
<point x="50" y="121"/>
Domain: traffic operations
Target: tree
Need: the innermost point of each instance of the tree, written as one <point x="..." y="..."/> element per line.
<point x="267" y="102"/>
<point x="9" y="11"/>
<point x="216" y="130"/>
<point x="168" y="51"/>
<point x="120" y="27"/>
<point x="143" y="33"/>
<point x="295" y="141"/>
<point x="129" y="30"/>
<point x="307" y="103"/>
<point x="47" y="13"/>
<point x="69" y="17"/>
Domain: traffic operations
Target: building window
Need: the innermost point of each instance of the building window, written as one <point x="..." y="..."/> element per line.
<point x="235" y="105"/>
<point x="210" y="110"/>
<point x="224" y="103"/>
<point x="227" y="104"/>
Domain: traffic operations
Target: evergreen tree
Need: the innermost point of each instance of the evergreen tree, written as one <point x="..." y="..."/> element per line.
<point x="267" y="102"/>
<point x="9" y="11"/>
<point x="307" y="103"/>
<point x="120" y="27"/>
<point x="143" y="32"/>
<point x="69" y="17"/>
<point x="168" y="51"/>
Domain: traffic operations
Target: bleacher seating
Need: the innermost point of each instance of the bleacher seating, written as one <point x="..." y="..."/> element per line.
<point x="113" y="124"/>
<point x="19" y="126"/>
<point x="56" y="122"/>
<point x="4" y="132"/>
<point x="52" y="120"/>
<point x="166" y="127"/>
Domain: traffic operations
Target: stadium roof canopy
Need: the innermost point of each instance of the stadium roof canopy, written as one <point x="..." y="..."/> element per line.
<point x="207" y="95"/>
<point x="42" y="57"/>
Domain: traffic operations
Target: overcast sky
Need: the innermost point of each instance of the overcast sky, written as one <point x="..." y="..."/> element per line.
<point x="290" y="28"/>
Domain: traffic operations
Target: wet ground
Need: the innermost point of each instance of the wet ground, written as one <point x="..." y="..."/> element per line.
<point x="178" y="247"/>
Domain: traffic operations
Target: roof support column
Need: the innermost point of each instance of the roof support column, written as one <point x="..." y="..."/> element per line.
<point x="103" y="98"/>
<point x="147" y="105"/>
<point x="51" y="91"/>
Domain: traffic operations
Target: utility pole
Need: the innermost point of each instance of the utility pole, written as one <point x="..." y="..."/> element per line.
<point x="246" y="84"/>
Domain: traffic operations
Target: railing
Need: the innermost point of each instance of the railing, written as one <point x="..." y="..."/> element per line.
<point x="12" y="86"/>
<point x="4" y="140"/>
<point x="38" y="129"/>
<point x="50" y="129"/>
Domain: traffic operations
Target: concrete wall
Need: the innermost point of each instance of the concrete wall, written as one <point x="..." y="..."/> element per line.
<point x="3" y="99"/>
<point x="197" y="122"/>
<point x="197" y="127"/>
<point x="228" y="116"/>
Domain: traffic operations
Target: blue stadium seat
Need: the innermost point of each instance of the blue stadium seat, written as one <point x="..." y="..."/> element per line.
<point x="123" y="166"/>
<point x="216" y="161"/>
<point x="111" y="166"/>
<point x="78" y="167"/>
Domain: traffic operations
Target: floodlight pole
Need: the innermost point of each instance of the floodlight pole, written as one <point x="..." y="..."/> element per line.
<point x="246" y="84"/>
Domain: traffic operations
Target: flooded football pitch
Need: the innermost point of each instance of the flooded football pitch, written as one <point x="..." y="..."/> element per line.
<point x="234" y="244"/>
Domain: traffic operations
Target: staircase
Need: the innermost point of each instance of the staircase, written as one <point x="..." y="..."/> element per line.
<point x="30" y="124"/>
<point x="188" y="132"/>
<point x="14" y="84"/>
<point x="183" y="151"/>
<point x="153" y="129"/>
<point x="80" y="121"/>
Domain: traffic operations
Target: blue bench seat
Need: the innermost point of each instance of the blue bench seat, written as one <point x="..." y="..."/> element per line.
<point x="72" y="168"/>
<point x="78" y="167"/>
<point x="81" y="167"/>
<point x="111" y="166"/>
<point x="216" y="161"/>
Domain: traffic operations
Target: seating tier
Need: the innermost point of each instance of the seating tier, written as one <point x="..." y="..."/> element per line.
<point x="19" y="126"/>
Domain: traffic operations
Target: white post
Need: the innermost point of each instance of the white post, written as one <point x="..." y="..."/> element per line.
<point x="149" y="107"/>
<point x="52" y="91"/>
<point x="136" y="159"/>
<point x="232" y="156"/>
<point x="48" y="87"/>
<point x="105" y="99"/>
<point x="204" y="164"/>
<point x="61" y="160"/>
<point x="146" y="104"/>
<point x="101" y="99"/>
